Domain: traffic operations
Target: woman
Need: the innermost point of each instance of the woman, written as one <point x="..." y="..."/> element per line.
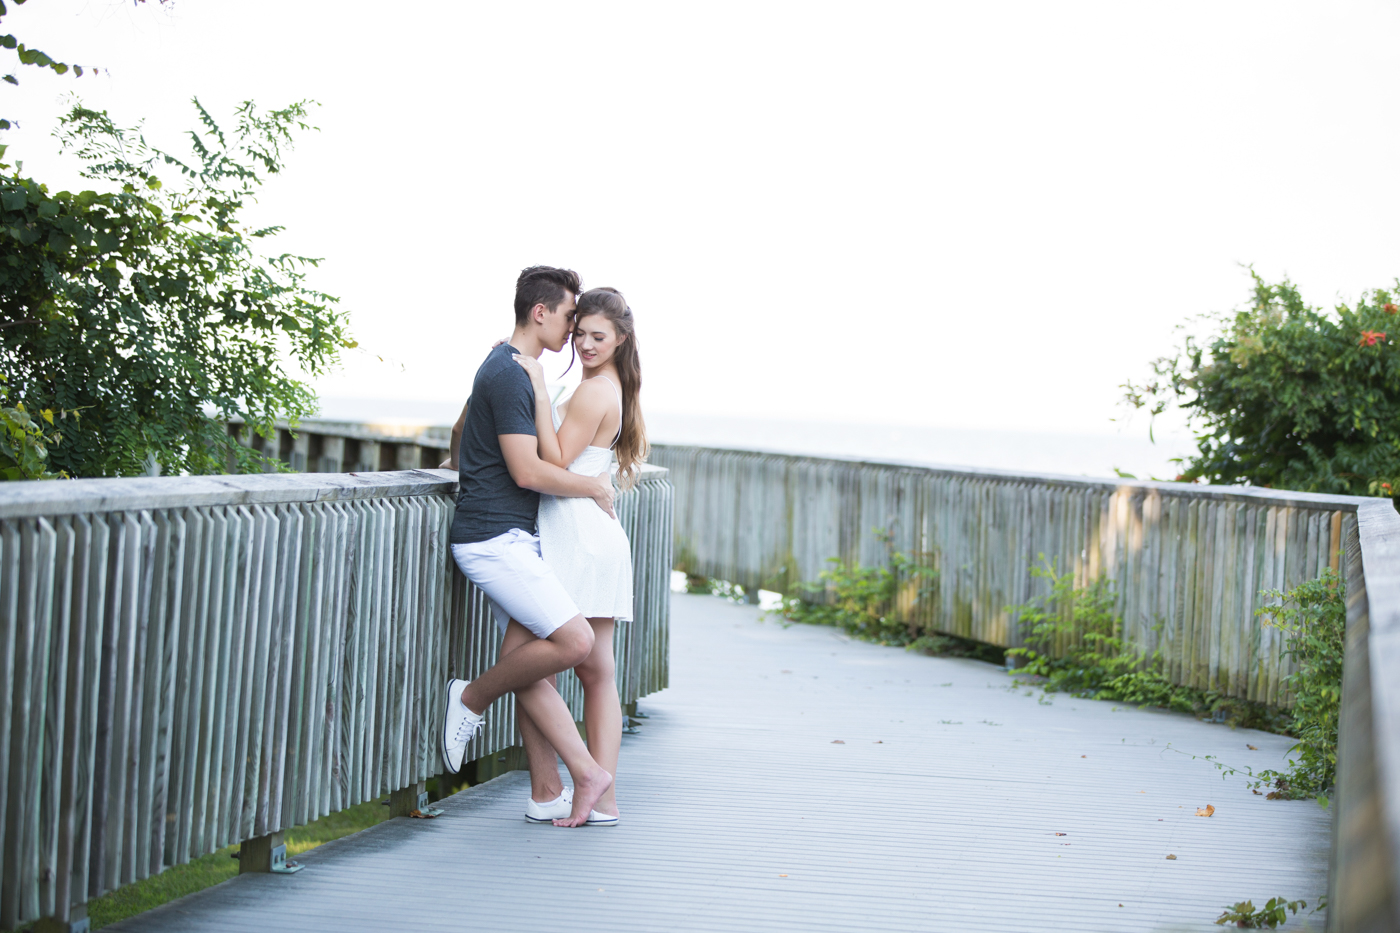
<point x="587" y="550"/>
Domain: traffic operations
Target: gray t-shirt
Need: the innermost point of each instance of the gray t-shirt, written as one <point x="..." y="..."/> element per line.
<point x="488" y="501"/>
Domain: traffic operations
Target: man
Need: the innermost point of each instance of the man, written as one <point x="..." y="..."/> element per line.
<point x="501" y="477"/>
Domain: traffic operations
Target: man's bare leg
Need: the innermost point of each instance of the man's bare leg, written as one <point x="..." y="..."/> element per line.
<point x="602" y="710"/>
<point x="556" y="725"/>
<point x="530" y="662"/>
<point x="545" y="785"/>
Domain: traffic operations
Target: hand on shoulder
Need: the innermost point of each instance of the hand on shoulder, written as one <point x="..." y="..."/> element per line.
<point x="532" y="367"/>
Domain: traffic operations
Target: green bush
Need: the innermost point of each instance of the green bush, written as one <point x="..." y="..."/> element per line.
<point x="1074" y="644"/>
<point x="1313" y="617"/>
<point x="863" y="600"/>
<point x="1271" y="915"/>
<point x="1290" y="396"/>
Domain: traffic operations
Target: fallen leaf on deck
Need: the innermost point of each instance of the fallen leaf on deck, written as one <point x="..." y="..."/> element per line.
<point x="1273" y="795"/>
<point x="838" y="741"/>
<point x="879" y="742"/>
<point x="1257" y="792"/>
<point x="1208" y="811"/>
<point x="782" y="876"/>
<point x="1172" y="857"/>
<point x="1083" y="756"/>
<point x="1062" y="834"/>
<point x="1253" y="748"/>
<point x="420" y="815"/>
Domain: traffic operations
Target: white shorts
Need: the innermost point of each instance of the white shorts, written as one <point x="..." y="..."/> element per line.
<point x="510" y="571"/>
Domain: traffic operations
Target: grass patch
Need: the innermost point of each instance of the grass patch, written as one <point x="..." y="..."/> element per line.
<point x="208" y="870"/>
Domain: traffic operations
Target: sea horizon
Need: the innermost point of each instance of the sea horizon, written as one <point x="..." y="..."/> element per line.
<point x="1019" y="450"/>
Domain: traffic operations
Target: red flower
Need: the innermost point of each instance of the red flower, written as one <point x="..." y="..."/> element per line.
<point x="1389" y="308"/>
<point x="1369" y="337"/>
<point x="1385" y="486"/>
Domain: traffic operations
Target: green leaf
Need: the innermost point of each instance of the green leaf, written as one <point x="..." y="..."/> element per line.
<point x="8" y="42"/>
<point x="13" y="80"/>
<point x="13" y="199"/>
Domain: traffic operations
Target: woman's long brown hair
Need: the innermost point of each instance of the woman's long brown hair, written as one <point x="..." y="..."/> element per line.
<point x="632" y="448"/>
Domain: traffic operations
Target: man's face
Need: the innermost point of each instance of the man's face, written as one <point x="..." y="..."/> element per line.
<point x="558" y="325"/>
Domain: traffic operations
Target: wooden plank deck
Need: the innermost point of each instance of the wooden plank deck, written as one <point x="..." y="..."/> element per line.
<point x="940" y="809"/>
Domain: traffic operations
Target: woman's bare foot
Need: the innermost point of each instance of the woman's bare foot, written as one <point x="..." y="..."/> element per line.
<point x="587" y="790"/>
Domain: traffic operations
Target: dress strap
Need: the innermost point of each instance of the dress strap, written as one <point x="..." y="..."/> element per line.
<point x="618" y="391"/>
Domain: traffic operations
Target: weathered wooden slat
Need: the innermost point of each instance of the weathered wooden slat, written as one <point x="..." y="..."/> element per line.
<point x="1188" y="558"/>
<point x="181" y="672"/>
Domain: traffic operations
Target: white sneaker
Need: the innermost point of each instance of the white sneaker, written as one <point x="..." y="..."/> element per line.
<point x="600" y="819"/>
<point x="460" y="725"/>
<point x="556" y="809"/>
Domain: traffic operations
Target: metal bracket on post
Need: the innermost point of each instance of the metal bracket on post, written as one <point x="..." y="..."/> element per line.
<point x="267" y="854"/>
<point x="77" y="922"/>
<point x="413" y="801"/>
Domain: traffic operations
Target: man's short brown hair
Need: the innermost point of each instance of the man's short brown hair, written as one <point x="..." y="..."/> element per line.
<point x="543" y="285"/>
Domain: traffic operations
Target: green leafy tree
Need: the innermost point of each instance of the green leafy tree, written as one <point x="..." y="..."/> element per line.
<point x="24" y="450"/>
<point x="147" y="306"/>
<point x="1290" y="396"/>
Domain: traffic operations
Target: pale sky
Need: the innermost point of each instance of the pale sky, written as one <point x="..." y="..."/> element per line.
<point x="970" y="215"/>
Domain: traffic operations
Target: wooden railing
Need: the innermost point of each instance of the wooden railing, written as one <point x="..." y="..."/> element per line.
<point x="1189" y="564"/>
<point x="187" y="663"/>
<point x="318" y="445"/>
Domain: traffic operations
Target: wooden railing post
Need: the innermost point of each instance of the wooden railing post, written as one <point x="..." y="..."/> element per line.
<point x="332" y="454"/>
<point x="266" y="854"/>
<point x="412" y="800"/>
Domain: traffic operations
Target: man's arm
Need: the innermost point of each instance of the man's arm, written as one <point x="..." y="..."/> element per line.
<point x="456" y="444"/>
<point x="522" y="455"/>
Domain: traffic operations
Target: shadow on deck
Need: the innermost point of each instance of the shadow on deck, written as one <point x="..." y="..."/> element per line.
<point x="791" y="779"/>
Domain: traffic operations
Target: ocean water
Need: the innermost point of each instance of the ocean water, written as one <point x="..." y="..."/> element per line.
<point x="1095" y="455"/>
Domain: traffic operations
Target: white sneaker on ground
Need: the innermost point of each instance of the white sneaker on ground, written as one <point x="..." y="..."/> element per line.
<point x="460" y="725"/>
<point x="556" y="809"/>
<point x="600" y="819"/>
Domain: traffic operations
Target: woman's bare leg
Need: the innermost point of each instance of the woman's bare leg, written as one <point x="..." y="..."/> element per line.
<point x="602" y="710"/>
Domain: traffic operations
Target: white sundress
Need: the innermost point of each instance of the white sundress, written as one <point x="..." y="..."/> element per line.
<point x="587" y="550"/>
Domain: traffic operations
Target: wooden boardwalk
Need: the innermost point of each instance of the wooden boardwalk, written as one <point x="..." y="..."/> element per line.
<point x="791" y="779"/>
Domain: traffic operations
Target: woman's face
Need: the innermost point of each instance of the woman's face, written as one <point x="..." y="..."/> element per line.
<point x="595" y="339"/>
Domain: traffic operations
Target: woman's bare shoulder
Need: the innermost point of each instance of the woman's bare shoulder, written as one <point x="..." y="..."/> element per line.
<point x="593" y="392"/>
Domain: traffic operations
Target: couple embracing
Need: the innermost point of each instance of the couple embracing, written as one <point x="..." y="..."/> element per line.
<point x="535" y="530"/>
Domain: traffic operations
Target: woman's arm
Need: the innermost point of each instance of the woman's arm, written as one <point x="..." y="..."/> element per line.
<point x="586" y="411"/>
<point x="454" y="445"/>
<point x="549" y="449"/>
